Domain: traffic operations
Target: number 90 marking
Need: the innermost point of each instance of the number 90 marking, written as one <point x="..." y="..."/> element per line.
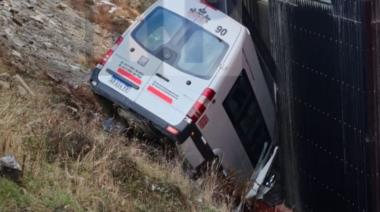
<point x="222" y="31"/>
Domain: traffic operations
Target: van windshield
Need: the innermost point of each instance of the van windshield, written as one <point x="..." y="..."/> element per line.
<point x="180" y="43"/>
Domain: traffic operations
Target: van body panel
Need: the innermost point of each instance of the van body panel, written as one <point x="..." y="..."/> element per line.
<point x="259" y="84"/>
<point x="234" y="157"/>
<point x="191" y="153"/>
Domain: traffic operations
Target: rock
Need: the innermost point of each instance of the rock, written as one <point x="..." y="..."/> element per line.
<point x="5" y="76"/>
<point x="108" y="124"/>
<point x="16" y="54"/>
<point x="75" y="68"/>
<point x="21" y="91"/>
<point x="18" y="42"/>
<point x="33" y="2"/>
<point x="98" y="30"/>
<point x="8" y="31"/>
<point x="23" y="83"/>
<point x="48" y="45"/>
<point x="39" y="18"/>
<point x="61" y="6"/>
<point x="29" y="5"/>
<point x="18" y="21"/>
<point x="10" y="168"/>
<point x="9" y="161"/>
<point x="4" y="85"/>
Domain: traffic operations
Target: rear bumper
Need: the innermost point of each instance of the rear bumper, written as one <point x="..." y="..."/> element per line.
<point x="107" y="92"/>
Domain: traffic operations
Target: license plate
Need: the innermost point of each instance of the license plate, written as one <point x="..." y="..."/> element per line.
<point x="119" y="84"/>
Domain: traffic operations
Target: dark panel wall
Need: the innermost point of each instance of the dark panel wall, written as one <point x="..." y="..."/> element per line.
<point x="372" y="30"/>
<point x="326" y="61"/>
<point x="327" y="64"/>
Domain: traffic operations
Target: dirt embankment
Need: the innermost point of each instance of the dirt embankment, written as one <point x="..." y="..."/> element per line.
<point x="62" y="40"/>
<point x="49" y="37"/>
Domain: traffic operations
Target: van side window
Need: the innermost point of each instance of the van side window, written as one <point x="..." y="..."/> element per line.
<point x="244" y="112"/>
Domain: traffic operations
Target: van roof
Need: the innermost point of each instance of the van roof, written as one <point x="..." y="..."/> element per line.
<point x="209" y="18"/>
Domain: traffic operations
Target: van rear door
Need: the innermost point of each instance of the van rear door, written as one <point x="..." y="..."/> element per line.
<point x="165" y="63"/>
<point x="129" y="69"/>
<point x="190" y="56"/>
<point x="170" y="94"/>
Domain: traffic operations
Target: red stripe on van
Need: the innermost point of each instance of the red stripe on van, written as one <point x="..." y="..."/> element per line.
<point x="130" y="76"/>
<point x="160" y="94"/>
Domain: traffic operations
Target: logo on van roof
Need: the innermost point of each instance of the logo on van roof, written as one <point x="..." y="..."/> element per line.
<point x="199" y="15"/>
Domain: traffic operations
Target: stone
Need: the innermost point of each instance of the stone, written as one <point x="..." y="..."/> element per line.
<point x="10" y="168"/>
<point x="18" y="42"/>
<point x="61" y="6"/>
<point x="108" y="124"/>
<point x="8" y="31"/>
<point x="48" y="45"/>
<point x="4" y="85"/>
<point x="39" y="18"/>
<point x="33" y="2"/>
<point x="5" y="76"/>
<point x="75" y="68"/>
<point x="9" y="161"/>
<point x="16" y="54"/>
<point x="21" y="91"/>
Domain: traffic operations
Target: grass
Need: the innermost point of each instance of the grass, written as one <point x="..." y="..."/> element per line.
<point x="70" y="164"/>
<point x="12" y="196"/>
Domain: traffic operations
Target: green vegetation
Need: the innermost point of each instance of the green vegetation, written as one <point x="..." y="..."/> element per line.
<point x="12" y="196"/>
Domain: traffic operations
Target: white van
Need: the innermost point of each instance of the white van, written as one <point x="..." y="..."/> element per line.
<point x="193" y="73"/>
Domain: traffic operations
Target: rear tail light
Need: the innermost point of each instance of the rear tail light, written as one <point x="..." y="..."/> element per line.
<point x="172" y="130"/>
<point x="109" y="53"/>
<point x="201" y="104"/>
<point x="208" y="93"/>
<point x="119" y="40"/>
<point x="106" y="57"/>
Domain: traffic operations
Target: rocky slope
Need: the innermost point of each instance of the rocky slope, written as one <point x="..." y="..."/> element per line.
<point x="49" y="37"/>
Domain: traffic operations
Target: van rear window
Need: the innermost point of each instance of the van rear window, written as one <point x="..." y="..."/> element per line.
<point x="180" y="43"/>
